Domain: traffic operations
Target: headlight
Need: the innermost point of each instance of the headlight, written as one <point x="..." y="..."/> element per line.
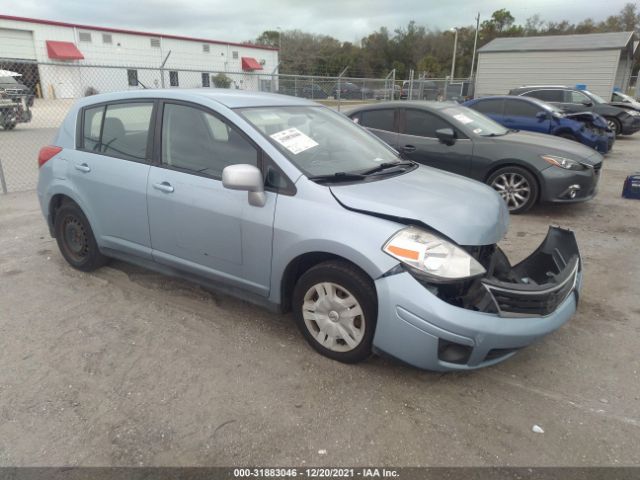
<point x="432" y="256"/>
<point x="562" y="162"/>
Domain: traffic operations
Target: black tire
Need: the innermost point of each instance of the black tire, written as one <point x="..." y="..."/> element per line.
<point x="516" y="173"/>
<point x="76" y="240"/>
<point x="355" y="282"/>
<point x="615" y="125"/>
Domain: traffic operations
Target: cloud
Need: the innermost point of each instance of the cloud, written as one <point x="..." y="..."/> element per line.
<point x="347" y="20"/>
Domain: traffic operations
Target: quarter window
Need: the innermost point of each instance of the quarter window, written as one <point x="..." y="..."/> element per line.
<point x="378" y="119"/>
<point x="91" y="128"/>
<point x="423" y="124"/>
<point x="200" y="142"/>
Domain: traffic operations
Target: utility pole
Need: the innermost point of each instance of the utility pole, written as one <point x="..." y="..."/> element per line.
<point x="475" y="44"/>
<point x="455" y="47"/>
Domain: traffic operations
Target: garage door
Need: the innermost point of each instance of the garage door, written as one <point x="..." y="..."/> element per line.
<point x="17" y="44"/>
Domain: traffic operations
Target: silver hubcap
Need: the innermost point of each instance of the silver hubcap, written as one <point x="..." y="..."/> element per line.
<point x="612" y="125"/>
<point x="513" y="188"/>
<point x="333" y="316"/>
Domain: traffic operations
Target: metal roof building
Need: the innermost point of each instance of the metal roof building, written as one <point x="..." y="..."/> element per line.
<point x="601" y="61"/>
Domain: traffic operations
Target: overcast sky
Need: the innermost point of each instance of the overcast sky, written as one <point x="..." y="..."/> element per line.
<point x="348" y="20"/>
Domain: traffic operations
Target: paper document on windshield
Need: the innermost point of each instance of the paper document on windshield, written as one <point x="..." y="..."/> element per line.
<point x="294" y="140"/>
<point x="462" y="118"/>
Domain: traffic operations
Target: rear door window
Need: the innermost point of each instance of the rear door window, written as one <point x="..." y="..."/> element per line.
<point x="118" y="130"/>
<point x="547" y="95"/>
<point x="489" y="106"/>
<point x="520" y="108"/>
<point x="379" y="119"/>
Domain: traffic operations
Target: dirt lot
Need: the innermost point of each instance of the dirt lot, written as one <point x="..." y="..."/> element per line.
<point x="126" y="367"/>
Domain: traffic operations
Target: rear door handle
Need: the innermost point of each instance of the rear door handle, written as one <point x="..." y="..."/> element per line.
<point x="408" y="148"/>
<point x="83" y="167"/>
<point x="163" y="187"/>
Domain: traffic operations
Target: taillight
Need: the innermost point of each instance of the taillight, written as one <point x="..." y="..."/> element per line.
<point x="47" y="153"/>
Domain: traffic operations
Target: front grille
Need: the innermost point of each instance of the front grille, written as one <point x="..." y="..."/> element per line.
<point x="523" y="301"/>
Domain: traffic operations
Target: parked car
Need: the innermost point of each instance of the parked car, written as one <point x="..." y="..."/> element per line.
<point x="622" y="122"/>
<point x="351" y="91"/>
<point x="422" y="89"/>
<point x="524" y="167"/>
<point x="13" y="89"/>
<point x="389" y="93"/>
<point x="8" y="113"/>
<point x="291" y="205"/>
<point x="624" y="101"/>
<point x="314" y="91"/>
<point x="531" y="114"/>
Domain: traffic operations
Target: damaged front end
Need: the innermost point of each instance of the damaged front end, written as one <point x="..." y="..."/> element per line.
<point x="534" y="287"/>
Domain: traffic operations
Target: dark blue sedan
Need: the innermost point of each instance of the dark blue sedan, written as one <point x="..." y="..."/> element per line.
<point x="531" y="114"/>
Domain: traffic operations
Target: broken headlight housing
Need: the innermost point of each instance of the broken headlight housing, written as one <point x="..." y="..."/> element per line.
<point x="431" y="257"/>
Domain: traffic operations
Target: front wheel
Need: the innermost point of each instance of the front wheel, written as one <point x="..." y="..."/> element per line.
<point x="76" y="240"/>
<point x="614" y="125"/>
<point x="335" y="308"/>
<point x="517" y="187"/>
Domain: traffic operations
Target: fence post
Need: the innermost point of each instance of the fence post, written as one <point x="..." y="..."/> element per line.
<point x="338" y="84"/>
<point x="3" y="183"/>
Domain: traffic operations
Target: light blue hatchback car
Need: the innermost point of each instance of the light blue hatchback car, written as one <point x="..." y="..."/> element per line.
<point x="288" y="204"/>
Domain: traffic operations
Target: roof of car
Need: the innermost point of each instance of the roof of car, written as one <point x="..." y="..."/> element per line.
<point x="537" y="101"/>
<point x="589" y="41"/>
<point x="426" y="105"/>
<point x="228" y="97"/>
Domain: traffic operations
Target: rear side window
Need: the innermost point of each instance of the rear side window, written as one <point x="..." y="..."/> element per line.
<point x="423" y="124"/>
<point x="119" y="130"/>
<point x="521" y="108"/>
<point x="547" y="95"/>
<point x="92" y="127"/>
<point x="200" y="142"/>
<point x="378" y="119"/>
<point x="489" y="106"/>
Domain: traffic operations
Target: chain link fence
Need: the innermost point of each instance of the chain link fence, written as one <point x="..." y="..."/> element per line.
<point x="35" y="98"/>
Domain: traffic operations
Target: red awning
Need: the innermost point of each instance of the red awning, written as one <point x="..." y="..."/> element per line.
<point x="249" y="63"/>
<point x="63" y="51"/>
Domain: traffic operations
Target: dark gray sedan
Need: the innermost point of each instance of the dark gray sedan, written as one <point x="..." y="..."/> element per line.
<point x="524" y="167"/>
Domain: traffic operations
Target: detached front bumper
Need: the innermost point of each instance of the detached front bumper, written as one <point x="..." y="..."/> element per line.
<point x="630" y="125"/>
<point x="419" y="328"/>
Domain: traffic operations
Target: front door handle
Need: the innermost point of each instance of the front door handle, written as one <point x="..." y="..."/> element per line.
<point x="163" y="187"/>
<point x="408" y="149"/>
<point x="83" y="167"/>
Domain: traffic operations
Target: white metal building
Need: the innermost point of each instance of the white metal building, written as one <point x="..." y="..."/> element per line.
<point x="601" y="61"/>
<point x="124" y="58"/>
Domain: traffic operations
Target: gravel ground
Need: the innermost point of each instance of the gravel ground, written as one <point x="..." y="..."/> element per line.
<point x="127" y="367"/>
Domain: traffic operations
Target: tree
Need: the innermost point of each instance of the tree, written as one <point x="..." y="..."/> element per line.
<point x="221" y="81"/>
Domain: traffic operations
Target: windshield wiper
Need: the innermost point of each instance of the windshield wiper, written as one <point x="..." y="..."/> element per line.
<point x="337" y="177"/>
<point x="388" y="165"/>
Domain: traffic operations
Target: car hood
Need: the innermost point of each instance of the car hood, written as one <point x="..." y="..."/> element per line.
<point x="466" y="211"/>
<point x="547" y="144"/>
<point x="624" y="105"/>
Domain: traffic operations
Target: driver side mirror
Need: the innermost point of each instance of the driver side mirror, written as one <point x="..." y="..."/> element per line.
<point x="248" y="178"/>
<point x="542" y="116"/>
<point x="446" y="136"/>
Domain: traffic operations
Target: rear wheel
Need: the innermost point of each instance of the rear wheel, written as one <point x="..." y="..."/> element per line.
<point x="335" y="308"/>
<point x="517" y="187"/>
<point x="76" y="240"/>
<point x="614" y="125"/>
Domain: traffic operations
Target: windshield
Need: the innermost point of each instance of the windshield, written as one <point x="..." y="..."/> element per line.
<point x="8" y="80"/>
<point x="474" y="121"/>
<point x="318" y="140"/>
<point x="621" y="96"/>
<point x="595" y="97"/>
